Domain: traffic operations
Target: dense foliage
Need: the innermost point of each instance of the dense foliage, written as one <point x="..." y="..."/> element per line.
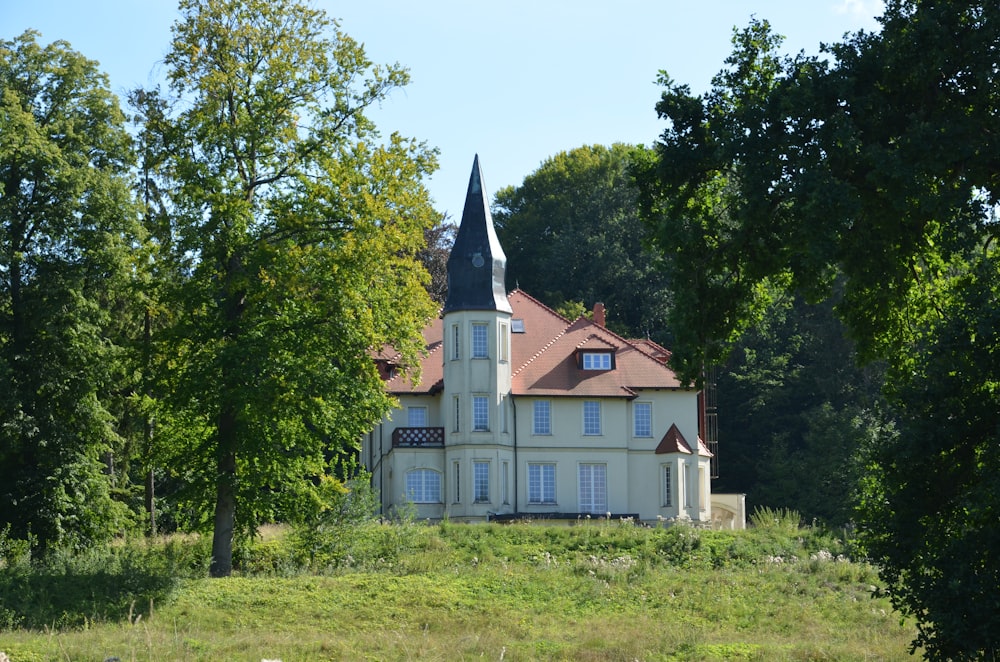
<point x="218" y="357"/>
<point x="796" y="412"/>
<point x="572" y="235"/>
<point x="296" y="231"/>
<point x="68" y="229"/>
<point x="868" y="179"/>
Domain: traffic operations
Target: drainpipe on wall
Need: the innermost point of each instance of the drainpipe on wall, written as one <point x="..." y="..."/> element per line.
<point x="513" y="406"/>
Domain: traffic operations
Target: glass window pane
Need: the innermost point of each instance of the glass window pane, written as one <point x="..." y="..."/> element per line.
<point x="593" y="488"/>
<point x="480" y="412"/>
<point x="542" y="417"/>
<point x="481" y="481"/>
<point x="591" y="417"/>
<point x="479" y="332"/>
<point x="541" y="483"/>
<point x="416" y="417"/>
<point x="423" y="486"/>
<point x="643" y="413"/>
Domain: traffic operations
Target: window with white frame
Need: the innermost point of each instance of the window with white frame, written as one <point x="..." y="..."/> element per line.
<point x="480" y="413"/>
<point x="541" y="483"/>
<point x="688" y="482"/>
<point x="597" y="361"/>
<point x="481" y="481"/>
<point x="479" y="341"/>
<point x="416" y="417"/>
<point x="701" y="489"/>
<point x="504" y="344"/>
<point x="593" y="488"/>
<point x="456" y="342"/>
<point x="541" y="417"/>
<point x="423" y="486"/>
<point x="591" y="417"/>
<point x="668" y="495"/>
<point x="457" y="406"/>
<point x="504" y="481"/>
<point x="642" y="419"/>
<point x="457" y="474"/>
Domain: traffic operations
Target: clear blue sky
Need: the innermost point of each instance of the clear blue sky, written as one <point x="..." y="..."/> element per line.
<point x="516" y="81"/>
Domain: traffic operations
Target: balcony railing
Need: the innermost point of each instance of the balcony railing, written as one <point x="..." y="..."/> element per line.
<point x="402" y="437"/>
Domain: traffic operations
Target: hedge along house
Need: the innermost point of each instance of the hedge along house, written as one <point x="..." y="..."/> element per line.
<point x="519" y="412"/>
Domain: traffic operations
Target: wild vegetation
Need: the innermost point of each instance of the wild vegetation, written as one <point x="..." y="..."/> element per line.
<point x="594" y="590"/>
<point x="865" y="178"/>
<point x="186" y="312"/>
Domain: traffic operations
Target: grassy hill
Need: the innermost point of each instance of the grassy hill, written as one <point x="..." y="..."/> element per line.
<point x="595" y="590"/>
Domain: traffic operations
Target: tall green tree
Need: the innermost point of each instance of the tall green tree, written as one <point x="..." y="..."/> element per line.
<point x="794" y="409"/>
<point x="875" y="171"/>
<point x="438" y="241"/>
<point x="67" y="227"/>
<point x="572" y="234"/>
<point x="297" y="229"/>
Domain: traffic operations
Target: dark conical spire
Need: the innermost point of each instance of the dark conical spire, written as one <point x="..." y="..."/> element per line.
<point x="477" y="265"/>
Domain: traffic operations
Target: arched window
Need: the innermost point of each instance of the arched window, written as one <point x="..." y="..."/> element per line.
<point x="423" y="486"/>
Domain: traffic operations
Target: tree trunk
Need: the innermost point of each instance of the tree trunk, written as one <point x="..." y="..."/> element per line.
<point x="147" y="424"/>
<point x="225" y="501"/>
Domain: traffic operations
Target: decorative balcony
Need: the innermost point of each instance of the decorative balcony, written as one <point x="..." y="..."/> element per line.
<point x="420" y="437"/>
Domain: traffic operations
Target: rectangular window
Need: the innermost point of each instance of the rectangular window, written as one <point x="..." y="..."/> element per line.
<point x="541" y="483"/>
<point x="504" y="481"/>
<point x="642" y="419"/>
<point x="504" y="343"/>
<point x="480" y="413"/>
<point x="481" y="481"/>
<point x="503" y="414"/>
<point x="455" y="342"/>
<point x="541" y="417"/>
<point x="457" y="471"/>
<point x="423" y="486"/>
<point x="596" y="361"/>
<point x="591" y="417"/>
<point x="701" y="489"/>
<point x="416" y="417"/>
<point x="479" y="345"/>
<point x="668" y="497"/>
<point x="594" y="488"/>
<point x="457" y="401"/>
<point x="686" y="487"/>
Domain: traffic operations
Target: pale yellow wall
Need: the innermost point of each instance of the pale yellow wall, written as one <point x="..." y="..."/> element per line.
<point x="633" y="469"/>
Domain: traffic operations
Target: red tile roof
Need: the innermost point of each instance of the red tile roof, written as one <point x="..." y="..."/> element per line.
<point x="674" y="442"/>
<point x="545" y="357"/>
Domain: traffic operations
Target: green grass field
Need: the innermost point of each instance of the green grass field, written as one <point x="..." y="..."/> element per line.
<point x="592" y="591"/>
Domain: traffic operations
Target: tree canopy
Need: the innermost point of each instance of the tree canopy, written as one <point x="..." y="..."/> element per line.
<point x="572" y="235"/>
<point x="295" y="229"/>
<point x="67" y="230"/>
<point x="868" y="178"/>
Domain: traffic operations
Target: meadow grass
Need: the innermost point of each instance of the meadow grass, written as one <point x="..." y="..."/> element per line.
<point x="405" y="591"/>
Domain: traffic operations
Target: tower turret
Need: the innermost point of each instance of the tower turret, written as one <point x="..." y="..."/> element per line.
<point x="477" y="265"/>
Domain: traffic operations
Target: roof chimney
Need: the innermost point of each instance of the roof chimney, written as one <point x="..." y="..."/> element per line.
<point x="599" y="314"/>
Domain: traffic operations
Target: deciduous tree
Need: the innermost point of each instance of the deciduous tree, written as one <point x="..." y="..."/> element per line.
<point x="571" y="233"/>
<point x="296" y="228"/>
<point x="67" y="227"/>
<point x="875" y="170"/>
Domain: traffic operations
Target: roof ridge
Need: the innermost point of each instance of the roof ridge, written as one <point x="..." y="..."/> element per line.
<point x="518" y="290"/>
<point x="629" y="343"/>
<point x="641" y="343"/>
<point x="597" y="337"/>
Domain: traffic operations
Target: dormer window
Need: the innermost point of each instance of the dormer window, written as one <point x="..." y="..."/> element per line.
<point x="597" y="361"/>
